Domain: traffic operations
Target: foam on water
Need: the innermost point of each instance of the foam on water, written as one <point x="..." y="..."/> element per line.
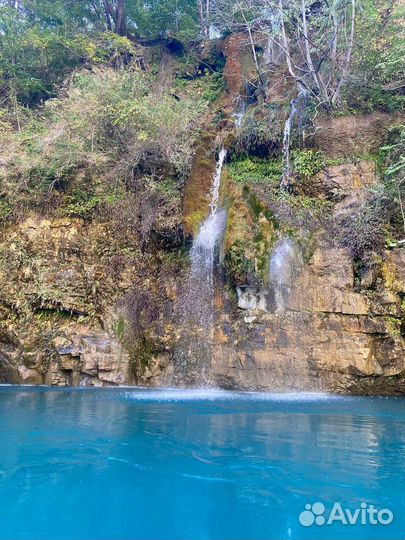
<point x="211" y="394"/>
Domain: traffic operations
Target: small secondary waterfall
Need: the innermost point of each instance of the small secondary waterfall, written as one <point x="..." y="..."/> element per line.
<point x="240" y="112"/>
<point x="295" y="110"/>
<point x="285" y="264"/>
<point x="197" y="314"/>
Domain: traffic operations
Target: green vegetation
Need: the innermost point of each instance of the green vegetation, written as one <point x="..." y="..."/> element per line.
<point x="107" y="117"/>
<point x="393" y="156"/>
<point x="208" y="86"/>
<point x="261" y="133"/>
<point x="381" y="219"/>
<point x="256" y="171"/>
<point x="377" y="77"/>
<point x="83" y="204"/>
<point x="5" y="210"/>
<point x="42" y="40"/>
<point x="306" y="163"/>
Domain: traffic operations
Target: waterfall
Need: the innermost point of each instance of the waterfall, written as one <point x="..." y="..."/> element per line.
<point x="217" y="183"/>
<point x="197" y="314"/>
<point x="285" y="264"/>
<point x="240" y="111"/>
<point x="295" y="109"/>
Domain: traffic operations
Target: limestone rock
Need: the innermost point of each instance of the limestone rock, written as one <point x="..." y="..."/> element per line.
<point x="29" y="376"/>
<point x="394" y="270"/>
<point x="256" y="298"/>
<point x="326" y="285"/>
<point x="347" y="185"/>
<point x="303" y="351"/>
<point x="8" y="371"/>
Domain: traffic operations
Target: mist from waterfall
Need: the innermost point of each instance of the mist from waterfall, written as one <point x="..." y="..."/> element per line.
<point x="285" y="264"/>
<point x="197" y="312"/>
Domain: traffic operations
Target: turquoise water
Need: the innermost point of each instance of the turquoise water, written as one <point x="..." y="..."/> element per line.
<point x="124" y="463"/>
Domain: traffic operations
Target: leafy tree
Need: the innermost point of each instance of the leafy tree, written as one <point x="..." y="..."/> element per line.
<point x="377" y="78"/>
<point x="394" y="186"/>
<point x="161" y="18"/>
<point x="42" y="40"/>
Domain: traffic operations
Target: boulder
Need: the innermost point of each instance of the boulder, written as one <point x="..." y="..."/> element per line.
<point x="29" y="376"/>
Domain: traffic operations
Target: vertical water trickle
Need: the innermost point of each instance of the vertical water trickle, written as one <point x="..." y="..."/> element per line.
<point x="217" y="182"/>
<point x="193" y="355"/>
<point x="240" y="111"/>
<point x="285" y="264"/>
<point x="296" y="105"/>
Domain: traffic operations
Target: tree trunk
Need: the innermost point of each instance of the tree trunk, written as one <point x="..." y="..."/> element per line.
<point x="109" y="14"/>
<point x="120" y="22"/>
<point x="115" y="16"/>
<point x="203" y="17"/>
<point x="350" y="46"/>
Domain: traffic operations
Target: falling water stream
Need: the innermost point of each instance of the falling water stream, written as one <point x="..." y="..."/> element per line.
<point x="285" y="264"/>
<point x="295" y="110"/>
<point x="240" y="112"/>
<point x="197" y="313"/>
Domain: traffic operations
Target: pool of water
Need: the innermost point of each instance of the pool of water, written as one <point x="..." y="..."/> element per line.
<point x="132" y="463"/>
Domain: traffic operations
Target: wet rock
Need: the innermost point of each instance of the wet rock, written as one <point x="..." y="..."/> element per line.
<point x="256" y="298"/>
<point x="239" y="68"/>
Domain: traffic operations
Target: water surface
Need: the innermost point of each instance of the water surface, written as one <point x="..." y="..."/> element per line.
<point x="125" y="463"/>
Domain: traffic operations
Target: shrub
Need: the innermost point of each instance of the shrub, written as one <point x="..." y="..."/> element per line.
<point x="83" y="203"/>
<point x="256" y="170"/>
<point x="294" y="212"/>
<point x="392" y="194"/>
<point x="207" y="87"/>
<point x="107" y="117"/>
<point x="362" y="232"/>
<point x="116" y="113"/>
<point x="5" y="210"/>
<point x="306" y="163"/>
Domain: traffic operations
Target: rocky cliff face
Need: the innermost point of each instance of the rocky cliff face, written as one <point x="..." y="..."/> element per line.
<point x="85" y="304"/>
<point x="338" y="331"/>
